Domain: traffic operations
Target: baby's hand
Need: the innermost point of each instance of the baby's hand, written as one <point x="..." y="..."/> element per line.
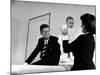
<point x="65" y="32"/>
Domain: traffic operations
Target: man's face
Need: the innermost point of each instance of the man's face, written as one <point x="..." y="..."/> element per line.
<point x="46" y="33"/>
<point x="70" y="23"/>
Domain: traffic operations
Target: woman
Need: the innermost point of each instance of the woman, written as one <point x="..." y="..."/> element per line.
<point x="83" y="47"/>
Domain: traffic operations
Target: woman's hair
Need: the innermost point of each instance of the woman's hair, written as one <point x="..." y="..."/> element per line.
<point x="89" y="22"/>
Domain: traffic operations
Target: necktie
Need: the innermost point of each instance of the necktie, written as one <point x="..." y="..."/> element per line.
<point x="44" y="49"/>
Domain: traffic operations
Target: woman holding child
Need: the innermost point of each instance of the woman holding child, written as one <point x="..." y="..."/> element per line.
<point x="83" y="47"/>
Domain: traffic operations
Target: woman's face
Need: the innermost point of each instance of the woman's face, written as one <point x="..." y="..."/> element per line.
<point x="83" y="28"/>
<point x="93" y="23"/>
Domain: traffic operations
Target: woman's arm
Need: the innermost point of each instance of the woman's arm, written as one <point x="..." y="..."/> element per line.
<point x="72" y="46"/>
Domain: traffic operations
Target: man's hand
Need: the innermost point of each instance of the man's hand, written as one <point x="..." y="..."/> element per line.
<point x="25" y="63"/>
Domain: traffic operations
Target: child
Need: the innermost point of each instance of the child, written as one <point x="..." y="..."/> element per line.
<point x="70" y="24"/>
<point x="66" y="57"/>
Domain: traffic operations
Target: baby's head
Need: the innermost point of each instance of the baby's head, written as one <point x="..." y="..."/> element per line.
<point x="70" y="22"/>
<point x="64" y="29"/>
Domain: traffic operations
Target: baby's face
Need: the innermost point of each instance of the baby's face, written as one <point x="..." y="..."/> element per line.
<point x="70" y="23"/>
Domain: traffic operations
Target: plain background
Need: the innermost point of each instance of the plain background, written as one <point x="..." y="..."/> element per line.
<point x="5" y="37"/>
<point x="22" y="11"/>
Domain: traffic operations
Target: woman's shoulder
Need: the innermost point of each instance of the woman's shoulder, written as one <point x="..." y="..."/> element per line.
<point x="85" y="36"/>
<point x="81" y="37"/>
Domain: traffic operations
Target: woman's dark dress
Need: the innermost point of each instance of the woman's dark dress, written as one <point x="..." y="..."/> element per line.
<point x="83" y="50"/>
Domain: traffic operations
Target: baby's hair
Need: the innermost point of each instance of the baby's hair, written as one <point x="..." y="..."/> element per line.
<point x="69" y="17"/>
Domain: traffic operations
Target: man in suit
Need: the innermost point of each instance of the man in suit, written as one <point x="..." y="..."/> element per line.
<point x="48" y="46"/>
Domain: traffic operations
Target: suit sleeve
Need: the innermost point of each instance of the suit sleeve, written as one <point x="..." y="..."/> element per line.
<point x="33" y="54"/>
<point x="56" y="53"/>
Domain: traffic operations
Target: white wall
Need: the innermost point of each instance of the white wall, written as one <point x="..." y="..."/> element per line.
<point x="22" y="11"/>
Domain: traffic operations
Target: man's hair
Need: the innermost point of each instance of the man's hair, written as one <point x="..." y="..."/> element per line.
<point x="87" y="20"/>
<point x="69" y="17"/>
<point x="43" y="26"/>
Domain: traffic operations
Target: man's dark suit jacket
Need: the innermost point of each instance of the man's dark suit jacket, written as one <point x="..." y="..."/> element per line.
<point x="52" y="54"/>
<point x="83" y="50"/>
